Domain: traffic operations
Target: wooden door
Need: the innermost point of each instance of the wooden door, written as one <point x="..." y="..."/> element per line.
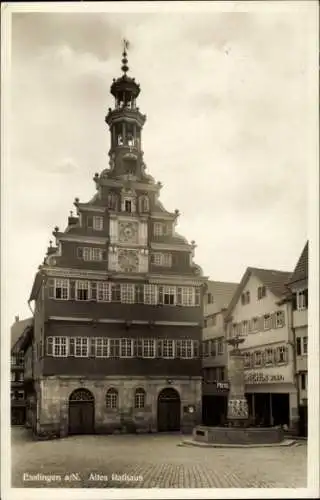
<point x="81" y="412"/>
<point x="169" y="409"/>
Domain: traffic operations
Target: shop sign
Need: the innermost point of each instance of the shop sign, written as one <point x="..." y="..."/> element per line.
<point x="263" y="378"/>
<point x="223" y="386"/>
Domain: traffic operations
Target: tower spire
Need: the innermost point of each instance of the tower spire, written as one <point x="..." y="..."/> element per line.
<point x="124" y="61"/>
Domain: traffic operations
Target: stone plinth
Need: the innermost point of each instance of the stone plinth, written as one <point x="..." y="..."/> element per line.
<point x="237" y="435"/>
<point x="238" y="412"/>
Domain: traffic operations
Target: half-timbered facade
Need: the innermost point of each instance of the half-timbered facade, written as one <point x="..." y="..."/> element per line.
<point x="118" y="301"/>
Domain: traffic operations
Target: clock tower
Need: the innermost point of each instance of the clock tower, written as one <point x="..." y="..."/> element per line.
<point x="118" y="300"/>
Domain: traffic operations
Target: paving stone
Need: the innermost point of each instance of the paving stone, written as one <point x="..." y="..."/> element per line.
<point x="157" y="458"/>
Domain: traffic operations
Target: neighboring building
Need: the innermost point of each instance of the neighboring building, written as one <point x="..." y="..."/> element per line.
<point x="214" y="352"/>
<point x="258" y="313"/>
<point x="118" y="302"/>
<point x="298" y="285"/>
<point x="20" y="334"/>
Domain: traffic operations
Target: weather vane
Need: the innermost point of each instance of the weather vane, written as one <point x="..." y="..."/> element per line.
<point x="125" y="44"/>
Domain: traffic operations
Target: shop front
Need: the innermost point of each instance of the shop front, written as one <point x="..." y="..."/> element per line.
<point x="215" y="403"/>
<point x="272" y="397"/>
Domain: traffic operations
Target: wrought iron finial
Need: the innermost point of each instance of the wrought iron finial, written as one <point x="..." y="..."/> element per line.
<point x="124" y="61"/>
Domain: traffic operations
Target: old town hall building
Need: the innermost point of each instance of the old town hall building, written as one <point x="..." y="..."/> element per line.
<point x="118" y="302"/>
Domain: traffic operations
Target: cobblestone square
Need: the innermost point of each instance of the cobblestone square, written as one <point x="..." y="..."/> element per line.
<point x="151" y="461"/>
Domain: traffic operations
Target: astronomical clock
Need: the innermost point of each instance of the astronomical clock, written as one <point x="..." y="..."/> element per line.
<point x="128" y="232"/>
<point x="128" y="260"/>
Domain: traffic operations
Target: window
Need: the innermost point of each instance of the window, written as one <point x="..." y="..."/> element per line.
<point x="81" y="347"/>
<point x="139" y="398"/>
<point x="82" y="290"/>
<point x="156" y="259"/>
<point x="128" y="206"/>
<point x="13" y="377"/>
<point x="244" y="327"/>
<point x="184" y="349"/>
<point x="305" y="345"/>
<point x="212" y="347"/>
<point x="127" y="293"/>
<point x="261" y="292"/>
<point x="247" y="360"/>
<point x="112" y="201"/>
<point x="302" y="300"/>
<point x="245" y="298"/>
<point x="20" y="395"/>
<point x="255" y="324"/>
<point x="258" y="358"/>
<point x="148" y="348"/>
<point x="91" y="254"/>
<point x="267" y="322"/>
<point x="186" y="296"/>
<point x="205" y="348"/>
<point x="210" y="298"/>
<point x="161" y="259"/>
<point x="20" y="377"/>
<point x="298" y="346"/>
<point x="303" y="377"/>
<point x="100" y="347"/>
<point x="150" y="294"/>
<point x="167" y="295"/>
<point x="115" y="292"/>
<point x="139" y="294"/>
<point x="158" y="229"/>
<point x="98" y="223"/>
<point x="112" y="399"/>
<point x="281" y="354"/>
<point x="269" y="353"/>
<point x="126" y="348"/>
<point x="144" y="204"/>
<point x="103" y="291"/>
<point x="59" y="289"/>
<point x="57" y="346"/>
<point x="280" y="319"/>
<point x="114" y="348"/>
<point x="220" y="346"/>
<point x="167" y="348"/>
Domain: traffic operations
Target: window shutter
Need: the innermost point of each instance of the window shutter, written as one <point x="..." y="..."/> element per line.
<point x="49" y="346"/>
<point x="71" y="346"/>
<point x="104" y="255"/>
<point x="178" y="348"/>
<point x="197" y="296"/>
<point x="93" y="290"/>
<point x="90" y="221"/>
<point x="51" y="288"/>
<point x="92" y="347"/>
<point x="138" y="348"/>
<point x="159" y="348"/>
<point x="294" y="301"/>
<point x="306" y="298"/>
<point x="80" y="253"/>
<point x="72" y="292"/>
<point x="179" y="296"/>
<point x="196" y="348"/>
<point x="274" y="320"/>
<point x="160" y="294"/>
<point x="298" y="343"/>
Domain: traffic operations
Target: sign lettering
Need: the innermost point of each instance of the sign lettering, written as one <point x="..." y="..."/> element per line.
<point x="262" y="378"/>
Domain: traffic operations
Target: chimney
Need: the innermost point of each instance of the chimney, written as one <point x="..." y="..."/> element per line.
<point x="16" y="318"/>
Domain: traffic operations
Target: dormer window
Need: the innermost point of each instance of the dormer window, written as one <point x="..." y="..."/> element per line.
<point x="261" y="292"/>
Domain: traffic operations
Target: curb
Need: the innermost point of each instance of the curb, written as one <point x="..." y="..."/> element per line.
<point x="287" y="442"/>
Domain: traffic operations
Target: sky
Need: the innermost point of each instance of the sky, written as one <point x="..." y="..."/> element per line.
<point x="227" y="98"/>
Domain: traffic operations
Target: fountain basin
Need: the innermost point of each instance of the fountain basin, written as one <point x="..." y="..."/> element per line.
<point x="238" y="435"/>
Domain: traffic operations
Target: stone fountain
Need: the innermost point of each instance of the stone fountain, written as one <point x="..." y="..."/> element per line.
<point x="237" y="430"/>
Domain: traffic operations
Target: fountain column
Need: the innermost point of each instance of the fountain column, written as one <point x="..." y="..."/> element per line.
<point x="238" y="413"/>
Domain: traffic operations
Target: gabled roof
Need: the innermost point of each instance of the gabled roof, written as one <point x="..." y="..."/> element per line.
<point x="274" y="280"/>
<point x="301" y="270"/>
<point x="222" y="292"/>
<point x="18" y="328"/>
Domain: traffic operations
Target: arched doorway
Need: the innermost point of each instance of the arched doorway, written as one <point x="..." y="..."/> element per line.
<point x="81" y="412"/>
<point x="169" y="408"/>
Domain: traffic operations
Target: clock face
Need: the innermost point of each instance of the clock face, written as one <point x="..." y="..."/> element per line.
<point x="128" y="232"/>
<point x="128" y="260"/>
